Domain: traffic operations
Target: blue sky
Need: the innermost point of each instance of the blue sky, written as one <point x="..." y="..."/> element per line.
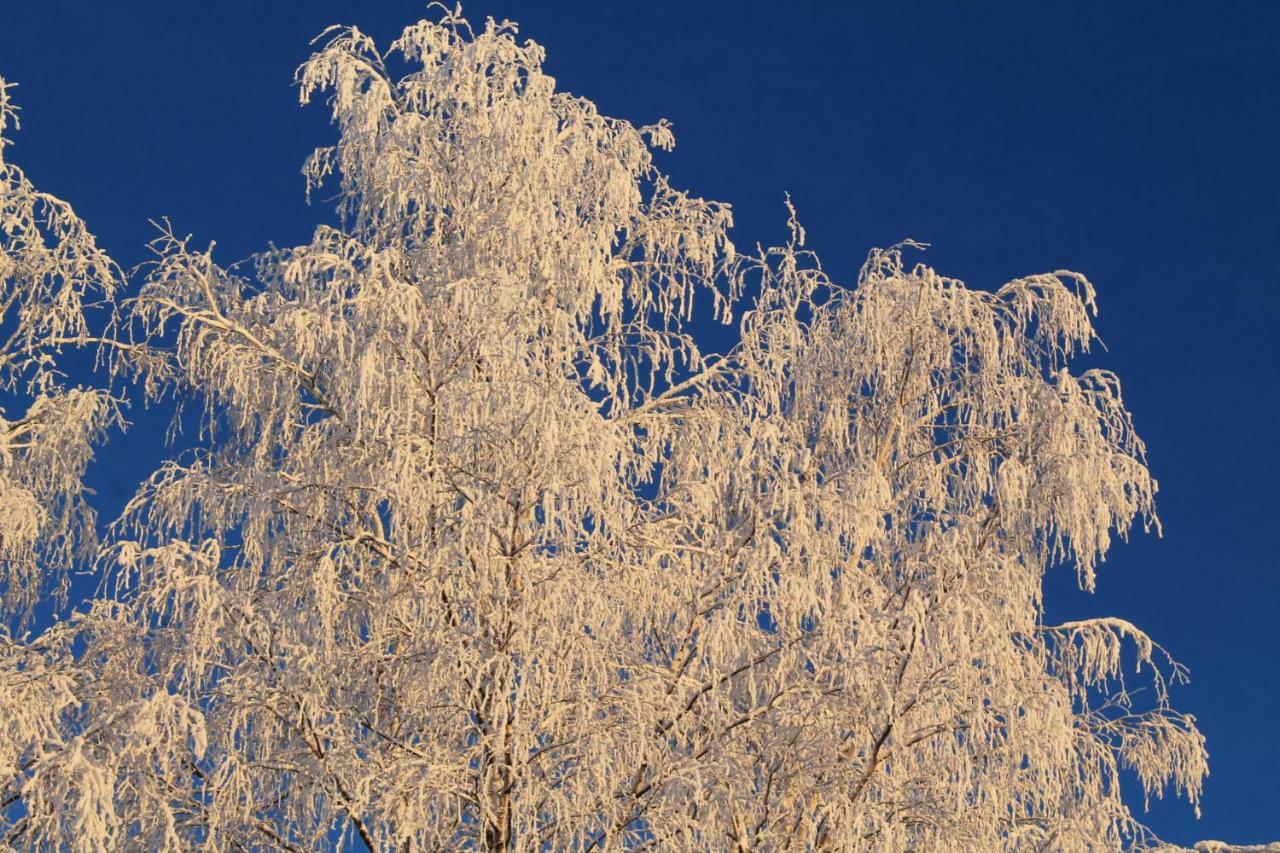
<point x="1132" y="142"/>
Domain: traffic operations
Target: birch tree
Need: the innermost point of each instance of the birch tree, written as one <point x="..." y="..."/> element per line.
<point x="479" y="549"/>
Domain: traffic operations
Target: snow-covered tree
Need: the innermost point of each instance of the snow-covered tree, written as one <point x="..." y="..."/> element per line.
<point x="480" y="550"/>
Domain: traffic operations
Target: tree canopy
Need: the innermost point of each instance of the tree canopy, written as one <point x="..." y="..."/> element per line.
<point x="479" y="549"/>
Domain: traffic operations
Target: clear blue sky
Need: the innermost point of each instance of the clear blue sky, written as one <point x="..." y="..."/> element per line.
<point x="1134" y="142"/>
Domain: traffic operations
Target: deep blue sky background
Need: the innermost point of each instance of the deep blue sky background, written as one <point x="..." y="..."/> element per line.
<point x="1133" y="142"/>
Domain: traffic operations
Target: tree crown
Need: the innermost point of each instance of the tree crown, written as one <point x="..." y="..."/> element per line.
<point x="480" y="549"/>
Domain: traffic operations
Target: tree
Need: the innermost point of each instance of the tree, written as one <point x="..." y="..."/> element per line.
<point x="480" y="550"/>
